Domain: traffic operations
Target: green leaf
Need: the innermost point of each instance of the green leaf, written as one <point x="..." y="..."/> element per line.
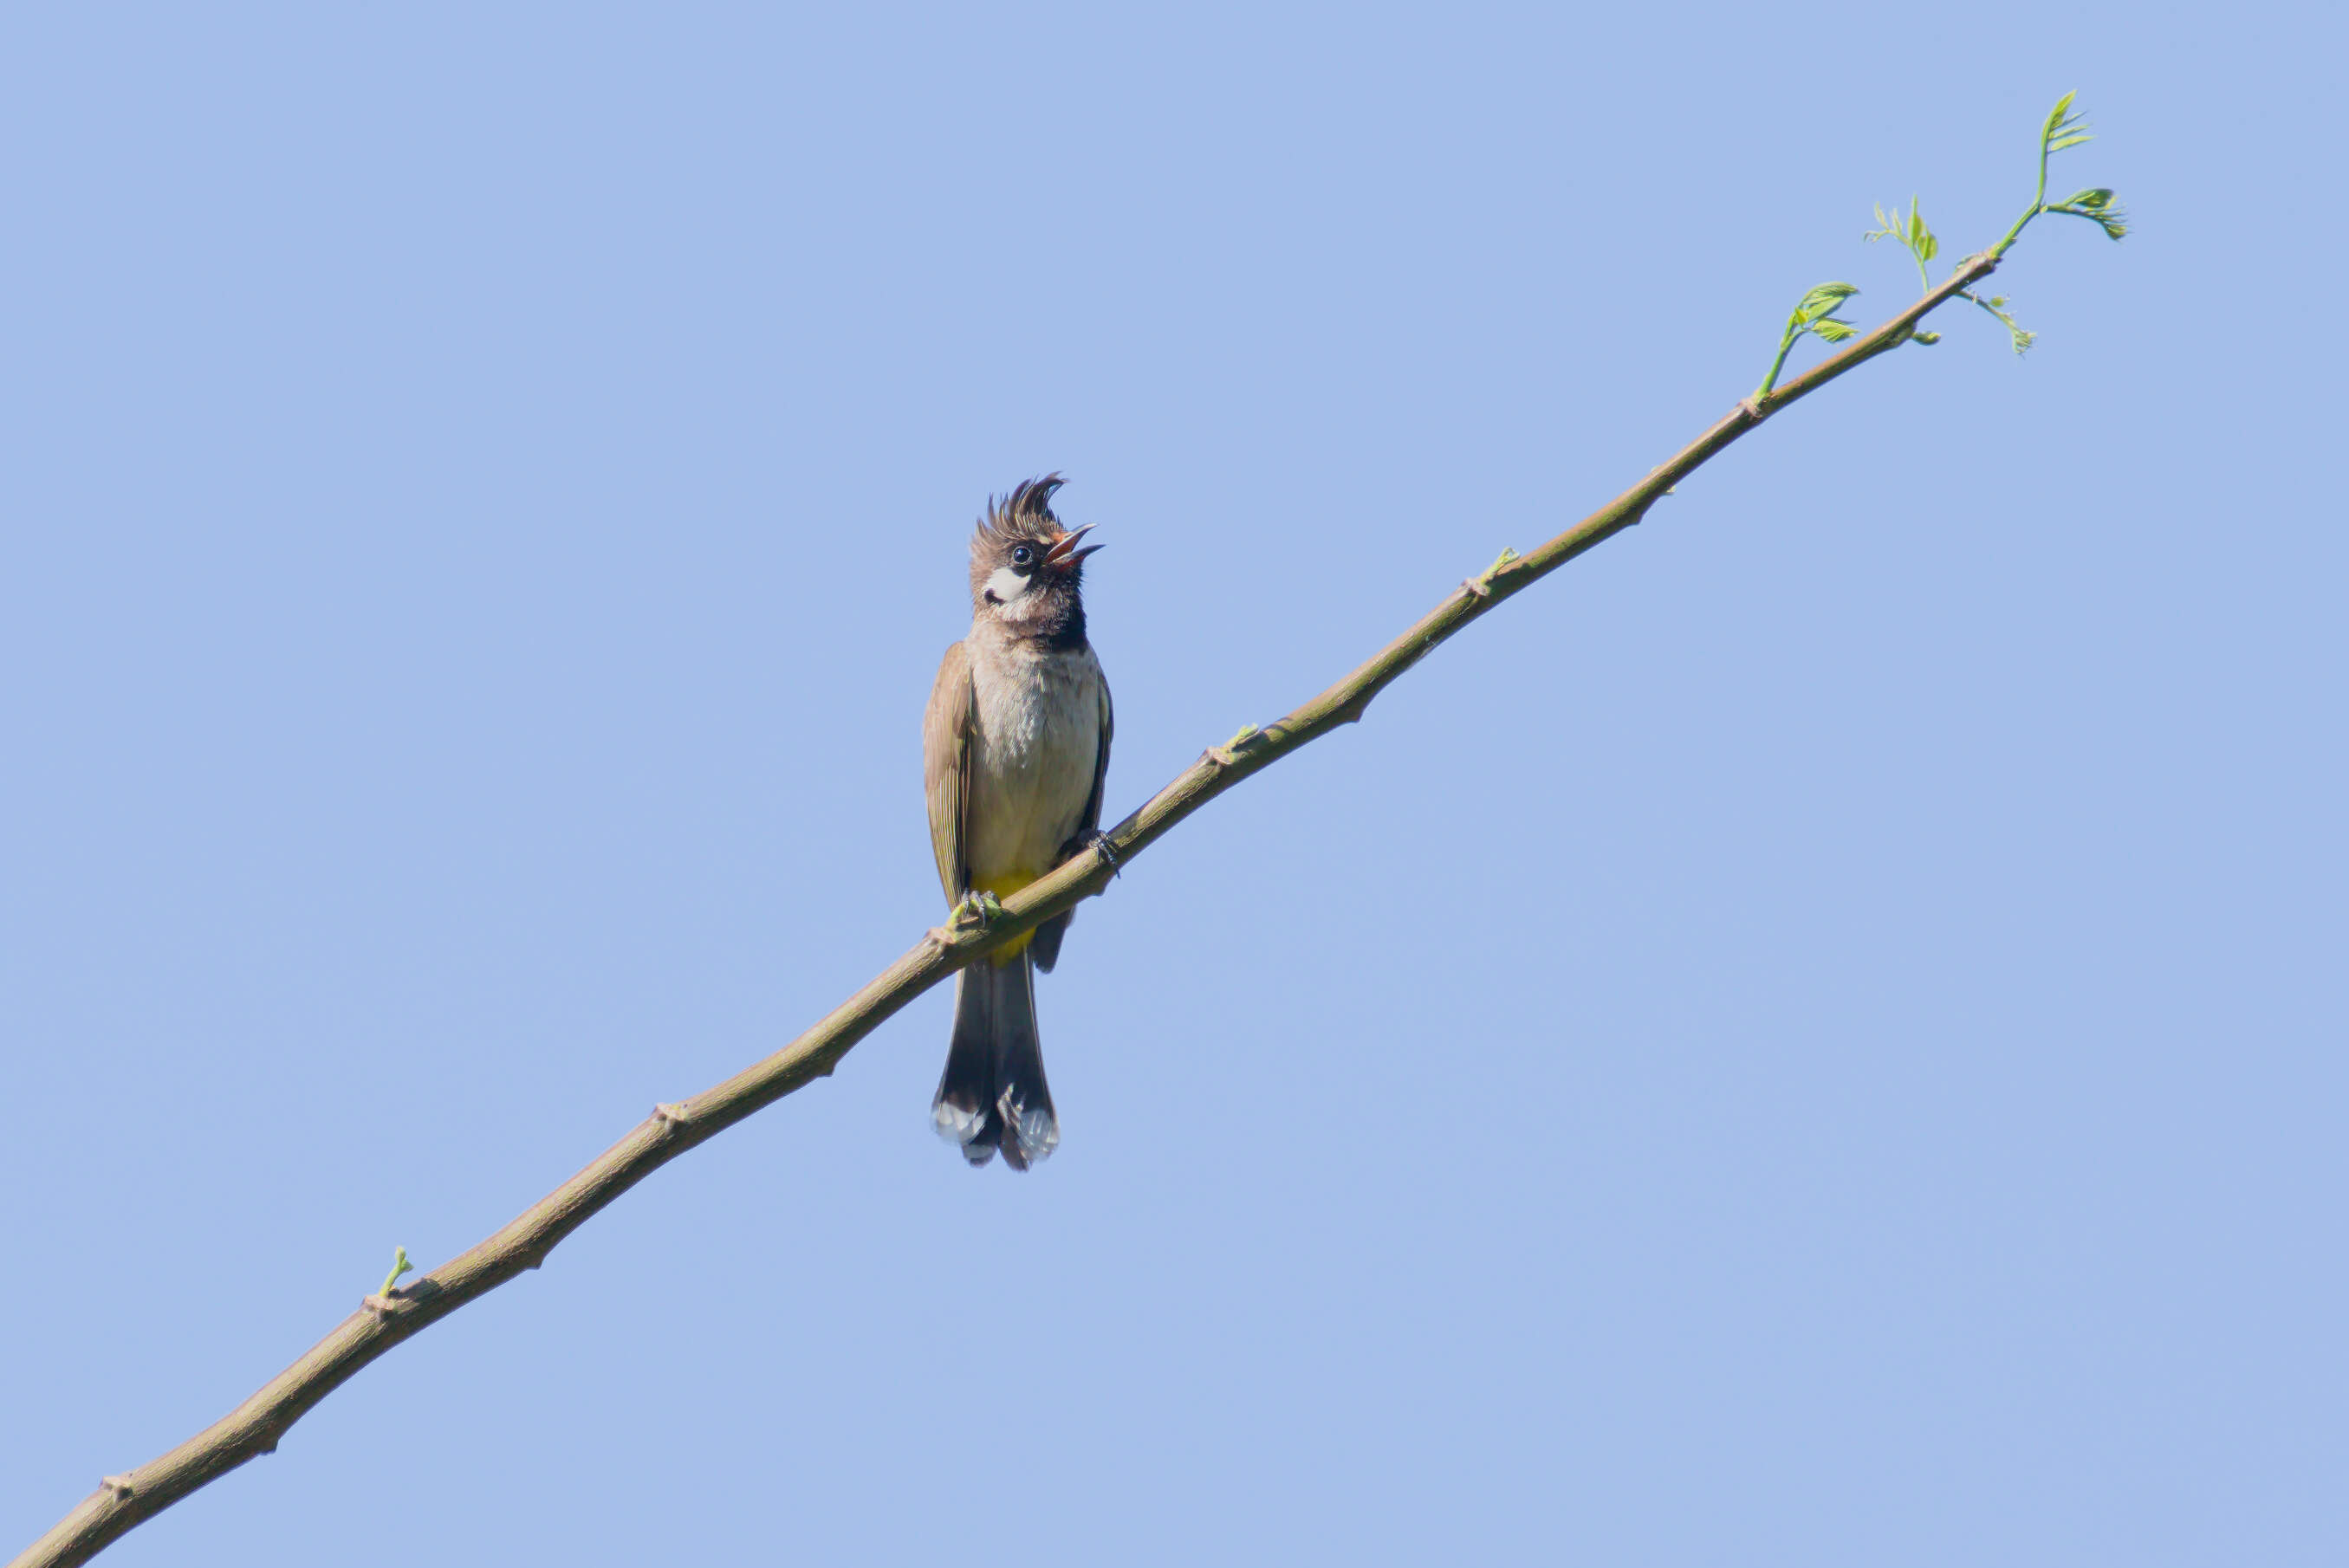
<point x="2060" y="119"/>
<point x="1813" y="313"/>
<point x="2063" y="128"/>
<point x="2097" y="207"/>
<point x="1823" y="299"/>
<point x="1915" y="237"/>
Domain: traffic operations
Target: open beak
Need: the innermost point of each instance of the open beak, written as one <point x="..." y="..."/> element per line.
<point x="1063" y="554"/>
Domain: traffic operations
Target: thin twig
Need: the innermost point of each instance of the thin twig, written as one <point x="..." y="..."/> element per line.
<point x="126" y="1501"/>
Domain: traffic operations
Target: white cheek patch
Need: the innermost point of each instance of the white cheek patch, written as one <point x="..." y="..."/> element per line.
<point x="1006" y="584"/>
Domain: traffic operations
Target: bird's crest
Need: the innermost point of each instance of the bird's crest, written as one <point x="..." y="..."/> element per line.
<point x="1025" y="513"/>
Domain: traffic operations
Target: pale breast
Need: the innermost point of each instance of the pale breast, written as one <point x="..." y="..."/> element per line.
<point x="1032" y="759"/>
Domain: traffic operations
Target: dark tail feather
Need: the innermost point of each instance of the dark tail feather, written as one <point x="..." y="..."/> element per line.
<point x="993" y="1094"/>
<point x="1044" y="944"/>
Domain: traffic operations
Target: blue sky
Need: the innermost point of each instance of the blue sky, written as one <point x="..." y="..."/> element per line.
<point x="1813" y="1036"/>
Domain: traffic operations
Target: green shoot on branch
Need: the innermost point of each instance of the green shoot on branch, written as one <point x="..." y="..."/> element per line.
<point x="399" y="1266"/>
<point x="1996" y="305"/>
<point x="2065" y="128"/>
<point x="1813" y="313"/>
<point x="1912" y="235"/>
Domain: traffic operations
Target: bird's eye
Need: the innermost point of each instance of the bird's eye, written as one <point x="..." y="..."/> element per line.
<point x="1023" y="555"/>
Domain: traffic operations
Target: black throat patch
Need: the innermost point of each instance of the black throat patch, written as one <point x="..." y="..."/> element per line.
<point x="1059" y="623"/>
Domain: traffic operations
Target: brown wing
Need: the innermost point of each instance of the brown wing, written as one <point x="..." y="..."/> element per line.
<point x="945" y="769"/>
<point x="1046" y="943"/>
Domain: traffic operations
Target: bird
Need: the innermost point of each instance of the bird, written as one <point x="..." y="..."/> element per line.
<point x="1015" y="750"/>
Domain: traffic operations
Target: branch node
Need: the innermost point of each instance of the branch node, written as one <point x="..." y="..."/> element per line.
<point x="386" y="1307"/>
<point x="119" y="1487"/>
<point x="1248" y="738"/>
<point x="668" y="1116"/>
<point x="1480" y="585"/>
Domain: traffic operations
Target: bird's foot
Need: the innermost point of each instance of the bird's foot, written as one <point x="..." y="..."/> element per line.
<point x="1102" y="845"/>
<point x="977" y="910"/>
